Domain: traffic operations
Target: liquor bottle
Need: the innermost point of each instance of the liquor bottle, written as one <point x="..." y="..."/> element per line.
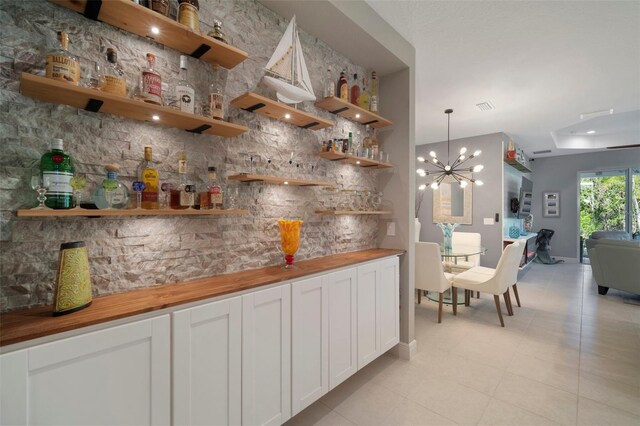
<point x="160" y="6"/>
<point x="61" y="64"/>
<point x="214" y="190"/>
<point x="366" y="143"/>
<point x="216" y="99"/>
<point x="351" y="147"/>
<point x="119" y="193"/>
<point x="58" y="167"/>
<point x="375" y="149"/>
<point x="355" y="91"/>
<point x="343" y="87"/>
<point x="151" y="87"/>
<point x="185" y="92"/>
<point x="188" y="14"/>
<point x="373" y="107"/>
<point x="364" y="95"/>
<point x="181" y="196"/>
<point x="217" y="33"/>
<point x="112" y="78"/>
<point x="329" y="85"/>
<point x="148" y="173"/>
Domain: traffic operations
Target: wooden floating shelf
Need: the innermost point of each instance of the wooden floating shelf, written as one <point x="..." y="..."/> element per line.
<point x="279" y="180"/>
<point x="352" y="159"/>
<point x="517" y="165"/>
<point x="59" y="92"/>
<point x="352" y="112"/>
<point x="262" y="105"/>
<point x="137" y="19"/>
<point x="130" y="212"/>
<point x="351" y="212"/>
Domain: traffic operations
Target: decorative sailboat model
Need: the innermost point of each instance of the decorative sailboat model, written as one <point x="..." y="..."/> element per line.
<point x="291" y="78"/>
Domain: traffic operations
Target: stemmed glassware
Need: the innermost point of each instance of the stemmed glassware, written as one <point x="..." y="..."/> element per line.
<point x="78" y="183"/>
<point x="40" y="183"/>
<point x="166" y="190"/>
<point x="251" y="160"/>
<point x="138" y="187"/>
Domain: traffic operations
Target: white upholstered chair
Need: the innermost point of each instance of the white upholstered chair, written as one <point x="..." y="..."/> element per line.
<point x="430" y="274"/>
<point x="465" y="239"/>
<point x="496" y="281"/>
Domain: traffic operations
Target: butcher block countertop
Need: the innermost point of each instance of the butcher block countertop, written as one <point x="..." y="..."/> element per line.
<point x="20" y="326"/>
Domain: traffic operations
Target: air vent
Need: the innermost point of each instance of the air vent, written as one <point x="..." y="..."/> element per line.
<point x="592" y="114"/>
<point x="546" y="151"/>
<point x="624" y="146"/>
<point x="485" y="106"/>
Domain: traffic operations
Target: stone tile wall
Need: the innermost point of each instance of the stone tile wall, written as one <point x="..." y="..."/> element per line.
<point x="142" y="252"/>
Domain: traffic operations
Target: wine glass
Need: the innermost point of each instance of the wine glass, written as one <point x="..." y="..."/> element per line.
<point x="138" y="187"/>
<point x="78" y="183"/>
<point x="40" y="183"/>
<point x="251" y="161"/>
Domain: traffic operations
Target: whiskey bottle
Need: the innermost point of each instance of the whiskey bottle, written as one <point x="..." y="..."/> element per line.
<point x="185" y="92"/>
<point x="58" y="167"/>
<point x="216" y="98"/>
<point x="343" y="87"/>
<point x="118" y="193"/>
<point x="148" y="173"/>
<point x="151" y="87"/>
<point x="61" y="64"/>
<point x="181" y="196"/>
<point x="188" y="14"/>
<point x="112" y="80"/>
<point x="364" y="95"/>
<point x="217" y="33"/>
<point x="373" y="107"/>
<point x="355" y="91"/>
<point x="329" y="85"/>
<point x="214" y="190"/>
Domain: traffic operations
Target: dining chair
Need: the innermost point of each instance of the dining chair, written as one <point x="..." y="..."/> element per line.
<point x="430" y="274"/>
<point x="491" y="271"/>
<point x="465" y="239"/>
<point x="496" y="283"/>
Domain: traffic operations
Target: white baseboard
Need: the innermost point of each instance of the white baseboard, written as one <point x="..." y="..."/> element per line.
<point x="405" y="351"/>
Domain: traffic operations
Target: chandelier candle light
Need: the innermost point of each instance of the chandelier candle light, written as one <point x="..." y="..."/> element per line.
<point x="452" y="171"/>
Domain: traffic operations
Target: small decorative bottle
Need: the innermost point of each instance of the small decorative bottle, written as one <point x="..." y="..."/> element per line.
<point x="151" y="87"/>
<point x="112" y="78"/>
<point x="217" y="33"/>
<point x="61" y="64"/>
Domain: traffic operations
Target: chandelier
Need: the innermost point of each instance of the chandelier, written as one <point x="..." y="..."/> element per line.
<point x="451" y="171"/>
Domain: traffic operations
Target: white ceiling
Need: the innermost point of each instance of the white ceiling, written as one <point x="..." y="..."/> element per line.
<point x="540" y="63"/>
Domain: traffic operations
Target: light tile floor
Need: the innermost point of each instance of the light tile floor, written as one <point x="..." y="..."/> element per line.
<point x="567" y="356"/>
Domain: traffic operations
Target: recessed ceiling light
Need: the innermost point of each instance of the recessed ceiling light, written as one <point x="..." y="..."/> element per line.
<point x="590" y="132"/>
<point x="485" y="106"/>
<point x="155" y="30"/>
<point x="592" y="114"/>
<point x="287" y="116"/>
<point x="155" y="117"/>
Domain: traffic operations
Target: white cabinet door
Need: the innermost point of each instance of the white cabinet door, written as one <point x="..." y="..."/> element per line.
<point x="309" y="342"/>
<point x="343" y="326"/>
<point x="266" y="356"/>
<point x="117" y="376"/>
<point x="207" y="364"/>
<point x="368" y="318"/>
<point x="389" y="293"/>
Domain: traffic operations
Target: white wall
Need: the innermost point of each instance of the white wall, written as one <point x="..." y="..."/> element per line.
<point x="561" y="174"/>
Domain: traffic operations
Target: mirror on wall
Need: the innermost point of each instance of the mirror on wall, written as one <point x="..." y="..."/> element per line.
<point x="453" y="204"/>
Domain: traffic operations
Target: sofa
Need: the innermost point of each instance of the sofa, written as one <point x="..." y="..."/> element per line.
<point x="615" y="262"/>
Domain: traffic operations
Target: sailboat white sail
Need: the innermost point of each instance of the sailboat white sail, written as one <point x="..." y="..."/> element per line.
<point x="291" y="78"/>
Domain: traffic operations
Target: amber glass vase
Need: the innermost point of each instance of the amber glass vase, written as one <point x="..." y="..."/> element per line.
<point x="290" y="240"/>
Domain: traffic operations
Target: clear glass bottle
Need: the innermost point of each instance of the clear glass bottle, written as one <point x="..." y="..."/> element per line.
<point x="185" y="93"/>
<point x="216" y="98"/>
<point x="214" y="190"/>
<point x="118" y="195"/>
<point x="343" y="87"/>
<point x="364" y="95"/>
<point x="217" y="32"/>
<point x="58" y="167"/>
<point x="151" y="82"/>
<point x="182" y="195"/>
<point x="373" y="107"/>
<point x="148" y="173"/>
<point x="375" y="148"/>
<point x="112" y="78"/>
<point x="355" y="91"/>
<point x="61" y="64"/>
<point x="188" y="14"/>
<point x="329" y="85"/>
